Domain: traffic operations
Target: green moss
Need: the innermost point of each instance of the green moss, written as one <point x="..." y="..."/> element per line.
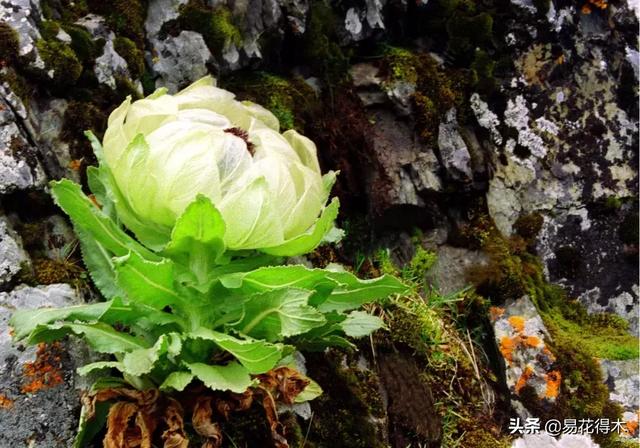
<point x="215" y="24"/>
<point x="130" y="53"/>
<point x="125" y="17"/>
<point x="438" y="89"/>
<point x="321" y="49"/>
<point x="466" y="33"/>
<point x="49" y="29"/>
<point x="9" y="43"/>
<point x="290" y="100"/>
<point x="482" y="68"/>
<point x="529" y="226"/>
<point x="81" y="116"/>
<point x="60" y="58"/>
<point x="82" y="43"/>
<point x="17" y="83"/>
<point x="67" y="11"/>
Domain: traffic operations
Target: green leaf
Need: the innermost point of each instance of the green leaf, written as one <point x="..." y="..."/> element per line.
<point x="312" y="391"/>
<point x="279" y="313"/>
<point x="98" y="181"/>
<point x="88" y="427"/>
<point x="177" y="381"/>
<point x="353" y="292"/>
<point x="101" y="337"/>
<point x="307" y="242"/>
<point x="142" y="361"/>
<point x="138" y="316"/>
<point x="233" y="376"/>
<point x="197" y="238"/>
<point x="257" y="356"/>
<point x="99" y="365"/>
<point x="99" y="263"/>
<point x="85" y="215"/>
<point x="359" y="324"/>
<point x="146" y="282"/>
<point x="24" y="322"/>
<point x="273" y="277"/>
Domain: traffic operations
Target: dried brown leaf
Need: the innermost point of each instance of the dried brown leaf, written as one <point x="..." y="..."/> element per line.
<point x="174" y="436"/>
<point x="117" y="424"/>
<point x="284" y="383"/>
<point x="203" y="423"/>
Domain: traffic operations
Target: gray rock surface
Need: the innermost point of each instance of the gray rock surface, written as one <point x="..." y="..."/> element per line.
<point x="46" y="417"/>
<point x="12" y="255"/>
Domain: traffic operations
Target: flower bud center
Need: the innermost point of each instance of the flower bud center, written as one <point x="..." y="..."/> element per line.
<point x="241" y="133"/>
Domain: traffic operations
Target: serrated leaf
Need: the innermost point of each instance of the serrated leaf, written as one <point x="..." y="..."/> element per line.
<point x="279" y="313"/>
<point x="24" y="322"/>
<point x="197" y="238"/>
<point x="101" y="337"/>
<point x="142" y="361"/>
<point x="147" y="282"/>
<point x="307" y="242"/>
<point x="359" y="324"/>
<point x="257" y="356"/>
<point x="177" y="381"/>
<point x="99" y="264"/>
<point x="354" y="292"/>
<point x="99" y="365"/>
<point x="85" y="215"/>
<point x="233" y="376"/>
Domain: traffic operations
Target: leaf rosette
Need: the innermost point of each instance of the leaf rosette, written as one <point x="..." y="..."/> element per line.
<point x="183" y="235"/>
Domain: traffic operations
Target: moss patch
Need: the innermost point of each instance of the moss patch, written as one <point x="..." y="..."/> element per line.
<point x="60" y="58"/>
<point x="290" y="100"/>
<point x="124" y="17"/>
<point x="9" y="43"/>
<point x="215" y="24"/>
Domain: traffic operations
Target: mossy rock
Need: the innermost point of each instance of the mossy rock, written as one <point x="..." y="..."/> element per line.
<point x="124" y="17"/>
<point x="216" y="24"/>
<point x="132" y="54"/>
<point x="82" y="43"/>
<point x="291" y="100"/>
<point x="60" y="58"/>
<point x="9" y="43"/>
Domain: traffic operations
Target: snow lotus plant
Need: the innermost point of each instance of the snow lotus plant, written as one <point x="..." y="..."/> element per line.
<point x="195" y="200"/>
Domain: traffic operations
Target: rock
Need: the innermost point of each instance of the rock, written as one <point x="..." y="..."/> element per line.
<point x="181" y="60"/>
<point x="12" y="255"/>
<point x="20" y="168"/>
<point x="544" y="440"/>
<point x="159" y="13"/>
<point x="400" y="93"/>
<point x="110" y="65"/>
<point x="486" y="118"/>
<point x="34" y="415"/>
<point x="453" y="150"/>
<point x="623" y="380"/>
<point x="410" y="169"/>
<point x="23" y="16"/>
<point x="449" y="273"/>
<point x="520" y="335"/>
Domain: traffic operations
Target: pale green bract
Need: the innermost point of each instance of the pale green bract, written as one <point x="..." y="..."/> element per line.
<point x="186" y="290"/>
<point x="165" y="150"/>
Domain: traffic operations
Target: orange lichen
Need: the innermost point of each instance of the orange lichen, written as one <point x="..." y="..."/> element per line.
<point x="524" y="378"/>
<point x="45" y="372"/>
<point x="532" y="341"/>
<point x="507" y="345"/>
<point x="586" y="9"/>
<point x="76" y="164"/>
<point x="517" y="322"/>
<point x="553" y="379"/>
<point x="602" y="4"/>
<point x="496" y="312"/>
<point x="5" y="402"/>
